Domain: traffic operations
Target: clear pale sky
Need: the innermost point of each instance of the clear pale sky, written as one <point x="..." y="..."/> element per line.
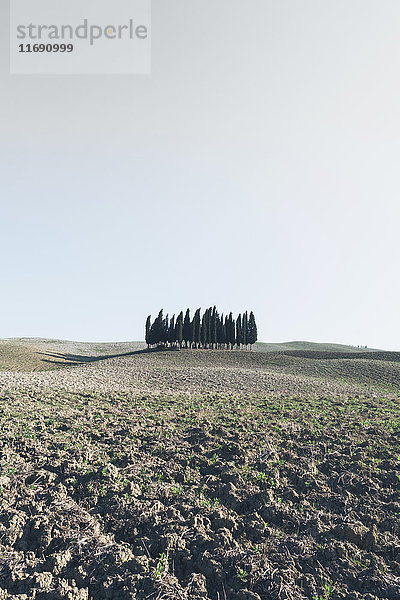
<point x="257" y="167"/>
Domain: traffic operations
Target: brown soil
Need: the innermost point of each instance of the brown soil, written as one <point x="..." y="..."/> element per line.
<point x="219" y="476"/>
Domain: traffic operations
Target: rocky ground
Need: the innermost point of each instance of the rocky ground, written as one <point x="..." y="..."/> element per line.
<point x="188" y="475"/>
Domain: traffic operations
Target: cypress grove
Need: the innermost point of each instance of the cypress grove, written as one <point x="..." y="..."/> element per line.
<point x="209" y="330"/>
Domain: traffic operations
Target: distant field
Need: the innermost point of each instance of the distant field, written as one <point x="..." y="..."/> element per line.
<point x="309" y="346"/>
<point x="35" y="354"/>
<point x="198" y="475"/>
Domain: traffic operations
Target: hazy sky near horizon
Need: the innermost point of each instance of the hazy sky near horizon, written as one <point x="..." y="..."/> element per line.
<point x="257" y="167"/>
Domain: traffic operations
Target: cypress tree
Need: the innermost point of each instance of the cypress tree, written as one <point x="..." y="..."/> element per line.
<point x="214" y="317"/>
<point x="166" y="330"/>
<point x="158" y="329"/>
<point x="179" y="329"/>
<point x="192" y="329"/>
<point x="148" y="327"/>
<point x="172" y="332"/>
<point x="233" y="332"/>
<point x="239" y="331"/>
<point x="251" y="330"/>
<point x="220" y="325"/>
<point x="151" y="335"/>
<point x="207" y="328"/>
<point x="223" y="332"/>
<point x="245" y="326"/>
<point x="230" y="334"/>
<point x="197" y="328"/>
<point x="153" y="332"/>
<point x="186" y="328"/>
<point x="209" y="336"/>
<point x="161" y="328"/>
<point x="203" y="336"/>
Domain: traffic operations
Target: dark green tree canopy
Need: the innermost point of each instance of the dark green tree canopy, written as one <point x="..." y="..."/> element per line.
<point x="209" y="330"/>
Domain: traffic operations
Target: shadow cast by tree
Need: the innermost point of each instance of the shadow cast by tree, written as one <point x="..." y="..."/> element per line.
<point x="81" y="359"/>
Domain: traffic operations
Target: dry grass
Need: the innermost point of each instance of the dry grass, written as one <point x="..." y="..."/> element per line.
<point x="35" y="354"/>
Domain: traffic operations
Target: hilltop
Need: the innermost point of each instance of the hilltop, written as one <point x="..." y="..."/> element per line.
<point x="315" y="346"/>
<point x="41" y="354"/>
